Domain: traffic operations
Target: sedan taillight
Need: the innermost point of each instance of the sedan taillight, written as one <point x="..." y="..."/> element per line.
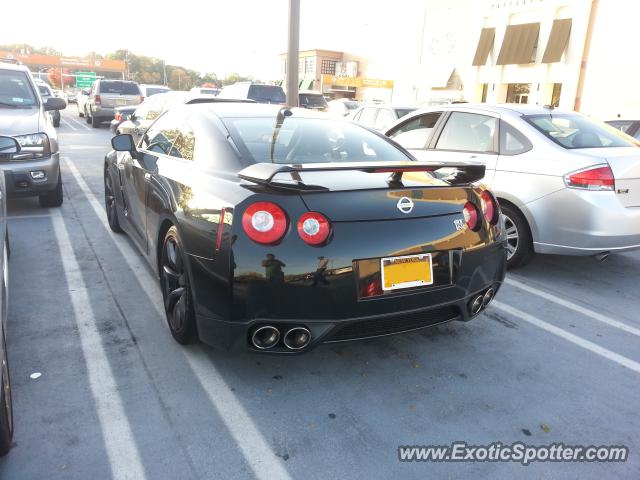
<point x="118" y="117"/>
<point x="97" y="100"/>
<point x="471" y="217"/>
<point x="264" y="222"/>
<point x="314" y="228"/>
<point x="599" y="177"/>
<point x="490" y="207"/>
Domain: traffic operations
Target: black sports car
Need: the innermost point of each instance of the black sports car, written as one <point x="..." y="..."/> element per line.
<point x="276" y="230"/>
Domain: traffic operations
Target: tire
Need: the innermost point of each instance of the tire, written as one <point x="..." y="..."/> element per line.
<point x="176" y="289"/>
<point x="6" y="405"/>
<point x="53" y="198"/>
<point x="56" y="123"/>
<point x="80" y="114"/>
<point x="87" y="118"/>
<point x="519" y="241"/>
<point x="95" y="122"/>
<point x="110" y="203"/>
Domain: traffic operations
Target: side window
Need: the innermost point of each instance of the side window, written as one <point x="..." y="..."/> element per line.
<point x="512" y="142"/>
<point x="161" y="135"/>
<point x="468" y="132"/>
<point x="384" y="119"/>
<point x="185" y="143"/>
<point x="416" y="132"/>
<point x="368" y="116"/>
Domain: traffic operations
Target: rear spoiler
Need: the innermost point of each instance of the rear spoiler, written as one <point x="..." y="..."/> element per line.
<point x="195" y="100"/>
<point x="459" y="173"/>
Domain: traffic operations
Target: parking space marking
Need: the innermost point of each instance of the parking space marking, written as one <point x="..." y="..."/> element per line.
<point x="581" y="342"/>
<point x="572" y="306"/>
<point x="79" y="123"/>
<point x="256" y="450"/>
<point x="23" y="217"/>
<point x="67" y="123"/>
<point x="122" y="451"/>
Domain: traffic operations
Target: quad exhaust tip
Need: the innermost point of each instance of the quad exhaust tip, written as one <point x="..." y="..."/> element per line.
<point x="476" y="304"/>
<point x="488" y="296"/>
<point x="297" y="338"/>
<point x="265" y="337"/>
<point x="480" y="301"/>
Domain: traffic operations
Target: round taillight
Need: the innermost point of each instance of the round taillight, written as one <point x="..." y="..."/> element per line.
<point x="313" y="228"/>
<point x="489" y="207"/>
<point x="470" y="213"/>
<point x="264" y="222"/>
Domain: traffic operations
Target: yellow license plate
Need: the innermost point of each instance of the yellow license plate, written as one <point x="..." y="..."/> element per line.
<point x="406" y="271"/>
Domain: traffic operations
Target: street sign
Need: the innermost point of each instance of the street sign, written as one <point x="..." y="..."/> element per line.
<point x="85" y="79"/>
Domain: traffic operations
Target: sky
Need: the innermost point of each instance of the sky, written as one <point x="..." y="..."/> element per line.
<point x="242" y="36"/>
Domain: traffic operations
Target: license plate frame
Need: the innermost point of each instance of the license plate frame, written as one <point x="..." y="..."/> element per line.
<point x="414" y="277"/>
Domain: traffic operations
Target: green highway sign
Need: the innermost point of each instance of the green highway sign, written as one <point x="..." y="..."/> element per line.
<point x="85" y="79"/>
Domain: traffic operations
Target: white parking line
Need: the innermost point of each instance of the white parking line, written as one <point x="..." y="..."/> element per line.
<point x="122" y="451"/>
<point x="572" y="306"/>
<point x="24" y="217"/>
<point x="79" y="123"/>
<point x="256" y="450"/>
<point x="67" y="124"/>
<point x="570" y="337"/>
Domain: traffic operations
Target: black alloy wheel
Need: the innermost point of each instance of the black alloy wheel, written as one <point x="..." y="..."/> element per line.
<point x="110" y="203"/>
<point x="176" y="291"/>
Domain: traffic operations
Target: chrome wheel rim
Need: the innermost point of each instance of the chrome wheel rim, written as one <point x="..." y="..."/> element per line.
<point x="174" y="286"/>
<point x="109" y="200"/>
<point x="513" y="237"/>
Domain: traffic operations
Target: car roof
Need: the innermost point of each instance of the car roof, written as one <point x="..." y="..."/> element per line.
<point x="240" y="110"/>
<point x="501" y="108"/>
<point x="13" y="66"/>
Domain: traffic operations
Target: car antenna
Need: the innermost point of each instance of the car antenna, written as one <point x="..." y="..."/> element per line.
<point x="282" y="114"/>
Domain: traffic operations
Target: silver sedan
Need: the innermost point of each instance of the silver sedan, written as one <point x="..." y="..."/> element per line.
<point x="567" y="184"/>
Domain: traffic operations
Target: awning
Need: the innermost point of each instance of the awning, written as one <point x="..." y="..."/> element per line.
<point x="558" y="40"/>
<point x="518" y="44"/>
<point x="485" y="44"/>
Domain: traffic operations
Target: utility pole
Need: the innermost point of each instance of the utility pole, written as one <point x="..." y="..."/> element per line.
<point x="293" y="53"/>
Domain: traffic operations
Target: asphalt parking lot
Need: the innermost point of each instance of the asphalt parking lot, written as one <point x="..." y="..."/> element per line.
<point x="554" y="359"/>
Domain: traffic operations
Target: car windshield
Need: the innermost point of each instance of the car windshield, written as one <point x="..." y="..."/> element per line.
<point x="119" y="88"/>
<point x="15" y="90"/>
<point x="576" y="131"/>
<point x="266" y="94"/>
<point x="309" y="140"/>
<point x="312" y="100"/>
<point x="208" y="91"/>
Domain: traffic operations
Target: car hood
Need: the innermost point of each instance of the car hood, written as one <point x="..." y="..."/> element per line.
<point x="17" y="121"/>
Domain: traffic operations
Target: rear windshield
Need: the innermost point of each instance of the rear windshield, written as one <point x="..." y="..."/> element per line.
<point x="267" y="94"/>
<point x="15" y="90"/>
<point x="309" y="140"/>
<point x="401" y="112"/>
<point x="209" y="91"/>
<point x="153" y="90"/>
<point x="575" y="131"/>
<point x="311" y="100"/>
<point x="119" y="88"/>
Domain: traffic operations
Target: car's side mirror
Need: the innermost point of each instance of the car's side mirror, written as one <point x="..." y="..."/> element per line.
<point x="9" y="145"/>
<point x="55" y="103"/>
<point x="85" y="92"/>
<point x="123" y="143"/>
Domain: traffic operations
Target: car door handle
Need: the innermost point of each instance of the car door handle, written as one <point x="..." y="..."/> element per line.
<point x="147" y="176"/>
<point x="120" y="166"/>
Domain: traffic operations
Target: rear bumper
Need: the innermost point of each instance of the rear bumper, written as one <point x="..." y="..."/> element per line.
<point x="19" y="182"/>
<point x="578" y="222"/>
<point x="103" y="113"/>
<point x="478" y="271"/>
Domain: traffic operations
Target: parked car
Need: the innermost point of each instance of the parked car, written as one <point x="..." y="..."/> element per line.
<point x="7" y="146"/>
<point x="342" y="107"/>
<point x="199" y="91"/>
<point x="148" y="90"/>
<point x="46" y="92"/>
<point x="34" y="170"/>
<point x="149" y="110"/>
<point x="81" y="101"/>
<point x="630" y="127"/>
<point x="312" y="100"/>
<point x="379" y="117"/>
<point x="278" y="230"/>
<point x="106" y="95"/>
<point x="254" y="91"/>
<point x="71" y="95"/>
<point x="122" y="114"/>
<point x="567" y="184"/>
